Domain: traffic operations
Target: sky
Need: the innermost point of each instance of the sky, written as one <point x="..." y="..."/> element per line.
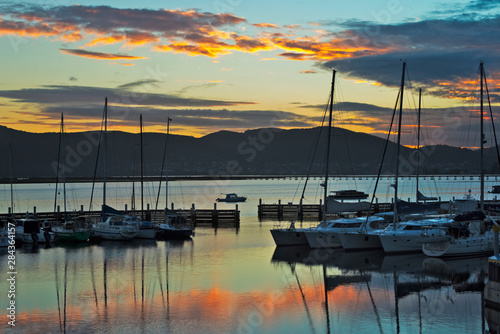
<point x="238" y="64"/>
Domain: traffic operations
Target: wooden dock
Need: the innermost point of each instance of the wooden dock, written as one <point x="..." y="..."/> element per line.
<point x="310" y="212"/>
<point x="198" y="217"/>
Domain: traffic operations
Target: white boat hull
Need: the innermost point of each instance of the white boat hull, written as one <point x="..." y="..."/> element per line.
<point x="323" y="239"/>
<point x="289" y="237"/>
<point x="400" y="243"/>
<point x="474" y="245"/>
<point x="115" y="233"/>
<point x="28" y="239"/>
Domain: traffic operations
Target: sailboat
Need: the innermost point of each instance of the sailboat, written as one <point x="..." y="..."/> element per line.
<point x="146" y="228"/>
<point x="72" y="230"/>
<point x="399" y="236"/>
<point x="474" y="236"/>
<point x="296" y="236"/>
<point x="115" y="226"/>
<point x="175" y="225"/>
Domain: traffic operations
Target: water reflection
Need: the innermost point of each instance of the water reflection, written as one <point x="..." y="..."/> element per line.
<point x="369" y="291"/>
<point x="227" y="284"/>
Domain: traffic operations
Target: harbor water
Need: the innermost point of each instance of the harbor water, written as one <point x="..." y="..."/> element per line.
<point x="234" y="280"/>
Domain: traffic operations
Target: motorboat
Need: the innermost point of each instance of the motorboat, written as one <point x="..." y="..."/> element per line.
<point x="232" y="198"/>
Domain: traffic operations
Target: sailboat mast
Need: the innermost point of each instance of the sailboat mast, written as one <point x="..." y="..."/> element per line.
<point x="11" y="181"/>
<point x="63" y="165"/>
<point x="105" y="139"/>
<point x="166" y="165"/>
<point x="325" y="197"/>
<point x="398" y="146"/>
<point x="142" y="174"/>
<point x="481" y="69"/>
<point x="418" y="136"/>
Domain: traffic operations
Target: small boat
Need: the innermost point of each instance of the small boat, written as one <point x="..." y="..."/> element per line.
<point x="176" y="227"/>
<point x="232" y="198"/>
<point x="117" y="227"/>
<point x="31" y="230"/>
<point x="73" y="230"/>
<point x="349" y="194"/>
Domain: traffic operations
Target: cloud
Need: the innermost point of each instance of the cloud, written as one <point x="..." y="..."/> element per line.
<point x="265" y="25"/>
<point x="99" y="55"/>
<point x="55" y="95"/>
<point x="139" y="83"/>
<point x="309" y="72"/>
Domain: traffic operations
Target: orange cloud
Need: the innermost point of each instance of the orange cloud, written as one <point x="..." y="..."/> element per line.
<point x="265" y="25"/>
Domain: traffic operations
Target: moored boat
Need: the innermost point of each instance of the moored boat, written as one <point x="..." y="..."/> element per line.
<point x="117" y="227"/>
<point x="232" y="198"/>
<point x="76" y="230"/>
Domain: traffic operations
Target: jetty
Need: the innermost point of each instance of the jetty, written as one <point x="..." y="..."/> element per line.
<point x="198" y="217"/>
<point x="314" y="212"/>
<point x="311" y="212"/>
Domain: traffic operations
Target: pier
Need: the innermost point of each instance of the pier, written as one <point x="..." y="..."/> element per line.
<point x="312" y="212"/>
<point x="198" y="217"/>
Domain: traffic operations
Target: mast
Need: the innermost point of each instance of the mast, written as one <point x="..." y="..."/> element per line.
<point x="418" y="136"/>
<point x="395" y="218"/>
<point x="325" y="197"/>
<point x="166" y="165"/>
<point x="105" y="139"/>
<point x="481" y="69"/>
<point x="63" y="165"/>
<point x="142" y="175"/>
<point x="11" y="181"/>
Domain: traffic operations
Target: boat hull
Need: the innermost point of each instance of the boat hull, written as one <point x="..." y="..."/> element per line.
<point x="176" y="234"/>
<point x="400" y="243"/>
<point x="115" y="234"/>
<point x="460" y="247"/>
<point x="323" y="239"/>
<point x="40" y="237"/>
<point x="357" y="241"/>
<point x="71" y="236"/>
<point x="146" y="233"/>
<point x="289" y="237"/>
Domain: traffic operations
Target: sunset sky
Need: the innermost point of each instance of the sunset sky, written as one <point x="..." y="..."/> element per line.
<point x="239" y="64"/>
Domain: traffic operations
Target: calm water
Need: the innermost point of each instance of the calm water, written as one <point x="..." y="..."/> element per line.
<point x="237" y="281"/>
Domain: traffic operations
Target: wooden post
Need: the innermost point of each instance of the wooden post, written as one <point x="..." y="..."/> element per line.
<point x="301" y="211"/>
<point x="320" y="210"/>
<point x="280" y="210"/>
<point x="259" y="209"/>
<point x="81" y="208"/>
<point x="126" y="208"/>
<point x="34" y="210"/>
<point x="215" y="218"/>
<point x="193" y="215"/>
<point x="236" y="217"/>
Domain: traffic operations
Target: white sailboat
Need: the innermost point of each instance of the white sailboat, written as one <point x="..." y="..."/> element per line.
<point x="298" y="236"/>
<point x="115" y="226"/>
<point x="478" y="236"/>
<point x="175" y="225"/>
